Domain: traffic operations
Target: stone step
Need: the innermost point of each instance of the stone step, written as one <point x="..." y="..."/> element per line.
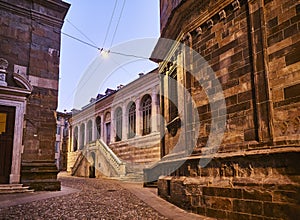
<point x="131" y="177"/>
<point x="14" y="188"/>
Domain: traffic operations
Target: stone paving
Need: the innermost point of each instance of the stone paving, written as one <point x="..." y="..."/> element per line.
<point x="95" y="199"/>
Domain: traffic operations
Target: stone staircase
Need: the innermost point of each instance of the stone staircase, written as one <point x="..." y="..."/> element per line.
<point x="131" y="177"/>
<point x="77" y="163"/>
<point x="14" y="188"/>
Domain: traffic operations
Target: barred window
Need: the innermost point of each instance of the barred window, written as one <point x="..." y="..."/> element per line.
<point x="118" y="117"/>
<point x="146" y="108"/>
<point x="132" y="120"/>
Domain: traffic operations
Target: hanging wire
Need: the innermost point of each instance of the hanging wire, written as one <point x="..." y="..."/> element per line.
<point x="82" y="41"/>
<point x="112" y="40"/>
<point x="101" y="49"/>
<point x="110" y="22"/>
<point x="80" y="32"/>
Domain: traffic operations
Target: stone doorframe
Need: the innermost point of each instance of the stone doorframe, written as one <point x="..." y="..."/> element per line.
<point x="16" y="97"/>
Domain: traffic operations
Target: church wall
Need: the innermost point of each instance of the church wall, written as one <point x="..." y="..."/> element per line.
<point x="252" y="47"/>
<point x="30" y="41"/>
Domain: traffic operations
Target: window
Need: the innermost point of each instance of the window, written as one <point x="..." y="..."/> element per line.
<point x="132" y="120"/>
<point x="146" y="108"/>
<point x="118" y="117"/>
<point x="98" y="127"/>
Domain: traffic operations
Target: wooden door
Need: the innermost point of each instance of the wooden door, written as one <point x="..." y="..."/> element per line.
<point x="7" y="124"/>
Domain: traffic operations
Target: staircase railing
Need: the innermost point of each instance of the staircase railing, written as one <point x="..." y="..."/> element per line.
<point x="113" y="160"/>
<point x="77" y="162"/>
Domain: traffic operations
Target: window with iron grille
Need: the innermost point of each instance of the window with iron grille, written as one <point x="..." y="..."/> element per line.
<point x="132" y="120"/>
<point x="146" y="108"/>
<point x="118" y="124"/>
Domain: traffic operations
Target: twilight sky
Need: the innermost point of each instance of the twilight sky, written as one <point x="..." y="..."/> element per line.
<point x="89" y="21"/>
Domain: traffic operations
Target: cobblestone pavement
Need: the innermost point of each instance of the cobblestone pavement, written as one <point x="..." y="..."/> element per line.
<point x="96" y="199"/>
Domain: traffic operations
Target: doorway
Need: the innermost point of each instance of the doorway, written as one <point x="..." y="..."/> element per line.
<point x="7" y="124"/>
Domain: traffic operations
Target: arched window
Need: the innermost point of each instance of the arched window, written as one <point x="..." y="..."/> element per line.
<point x="118" y="118"/>
<point x="131" y="120"/>
<point x="90" y="131"/>
<point x="98" y="126"/>
<point x="146" y="108"/>
<point x="82" y="136"/>
<point x="75" y="139"/>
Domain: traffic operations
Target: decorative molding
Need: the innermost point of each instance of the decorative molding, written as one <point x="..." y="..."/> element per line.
<point x="22" y="81"/>
<point x="37" y="16"/>
<point x="236" y="5"/>
<point x="199" y="31"/>
<point x="222" y="14"/>
<point x="210" y="23"/>
<point x="3" y="65"/>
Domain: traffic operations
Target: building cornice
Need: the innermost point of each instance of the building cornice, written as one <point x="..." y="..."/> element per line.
<point x="60" y="7"/>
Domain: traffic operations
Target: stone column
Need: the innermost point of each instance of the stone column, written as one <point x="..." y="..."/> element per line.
<point x="85" y="134"/>
<point x="154" y="112"/>
<point x="78" y="137"/>
<point x="124" y="122"/>
<point x="94" y="129"/>
<point x="71" y="138"/>
<point x="112" y="126"/>
<point x="102" y="124"/>
<point x="138" y="117"/>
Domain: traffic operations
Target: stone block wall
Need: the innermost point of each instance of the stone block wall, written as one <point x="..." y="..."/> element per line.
<point x="283" y="41"/>
<point x="253" y="49"/>
<point x="30" y="39"/>
<point x="228" y="191"/>
<point x="143" y="150"/>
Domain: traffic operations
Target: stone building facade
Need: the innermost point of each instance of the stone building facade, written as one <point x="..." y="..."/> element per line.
<point x="251" y="50"/>
<point x="118" y="132"/>
<point x="62" y="140"/>
<point x="30" y="45"/>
